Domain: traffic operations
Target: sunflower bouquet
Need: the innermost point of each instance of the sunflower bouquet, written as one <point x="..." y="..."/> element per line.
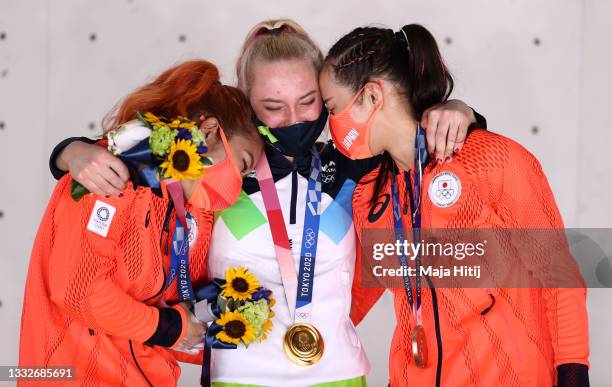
<point x="239" y="311"/>
<point x="245" y="309"/>
<point x="155" y="148"/>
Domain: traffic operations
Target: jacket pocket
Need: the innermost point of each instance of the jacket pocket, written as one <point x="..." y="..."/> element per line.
<point x="500" y="322"/>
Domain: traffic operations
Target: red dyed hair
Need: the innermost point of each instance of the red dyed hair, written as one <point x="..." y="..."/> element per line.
<point x="190" y="89"/>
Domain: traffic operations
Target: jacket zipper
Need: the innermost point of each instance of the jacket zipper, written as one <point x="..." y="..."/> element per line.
<point x="434" y="302"/>
<point x="294" y="189"/>
<point x="163" y="244"/>
<point x="138" y="365"/>
<point x="434" y="295"/>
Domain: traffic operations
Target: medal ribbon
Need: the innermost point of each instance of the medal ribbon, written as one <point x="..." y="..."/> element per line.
<point x="299" y="297"/>
<point x="179" y="256"/>
<point x="420" y="160"/>
<point x="310" y="238"/>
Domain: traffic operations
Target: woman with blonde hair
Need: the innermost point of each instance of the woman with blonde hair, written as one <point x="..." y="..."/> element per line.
<point x="295" y="212"/>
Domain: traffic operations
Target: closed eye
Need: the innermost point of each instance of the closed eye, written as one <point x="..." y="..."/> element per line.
<point x="271" y="109"/>
<point x="247" y="163"/>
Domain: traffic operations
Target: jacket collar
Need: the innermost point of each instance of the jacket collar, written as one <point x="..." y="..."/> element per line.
<point x="280" y="167"/>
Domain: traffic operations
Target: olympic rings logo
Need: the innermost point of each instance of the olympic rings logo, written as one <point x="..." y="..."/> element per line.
<point x="444" y="190"/>
<point x="192" y="223"/>
<point x="302" y="315"/>
<point x="328" y="178"/>
<point x="310" y="238"/>
<point x="445" y="193"/>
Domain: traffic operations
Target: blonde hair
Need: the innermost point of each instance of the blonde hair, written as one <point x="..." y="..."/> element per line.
<point x="274" y="40"/>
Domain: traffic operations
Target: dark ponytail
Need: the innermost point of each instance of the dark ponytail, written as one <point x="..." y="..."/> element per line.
<point x="409" y="58"/>
<point x="428" y="81"/>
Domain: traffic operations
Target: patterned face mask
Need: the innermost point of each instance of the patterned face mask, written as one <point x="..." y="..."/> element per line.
<point x="352" y="138"/>
<point x="221" y="184"/>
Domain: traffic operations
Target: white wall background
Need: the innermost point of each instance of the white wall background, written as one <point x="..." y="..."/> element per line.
<point x="540" y="70"/>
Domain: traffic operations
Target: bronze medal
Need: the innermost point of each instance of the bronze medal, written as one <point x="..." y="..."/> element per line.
<point x="303" y="344"/>
<point x="419" y="346"/>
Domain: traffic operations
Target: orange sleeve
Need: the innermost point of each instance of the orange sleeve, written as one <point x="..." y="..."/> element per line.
<point x="82" y="265"/>
<point x="187" y="358"/>
<point x="526" y="191"/>
<point x="363" y="299"/>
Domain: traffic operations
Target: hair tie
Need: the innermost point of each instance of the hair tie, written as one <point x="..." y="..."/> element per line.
<point x="275" y="29"/>
<point x="402" y="37"/>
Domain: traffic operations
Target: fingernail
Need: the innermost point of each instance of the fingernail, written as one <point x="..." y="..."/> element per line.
<point x="457" y="150"/>
<point x="447" y="159"/>
<point x="121" y="194"/>
<point x="107" y="196"/>
<point x="439" y="160"/>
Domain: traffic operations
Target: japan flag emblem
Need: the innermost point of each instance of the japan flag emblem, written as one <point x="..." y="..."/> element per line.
<point x="444" y="189"/>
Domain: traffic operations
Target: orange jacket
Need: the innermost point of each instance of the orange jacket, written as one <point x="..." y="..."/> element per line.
<point x="92" y="301"/>
<point x="528" y="332"/>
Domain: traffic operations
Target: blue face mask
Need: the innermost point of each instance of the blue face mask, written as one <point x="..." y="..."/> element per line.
<point x="297" y="139"/>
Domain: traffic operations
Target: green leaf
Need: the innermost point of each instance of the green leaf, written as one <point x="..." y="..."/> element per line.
<point x="77" y="191"/>
<point x="141" y="118"/>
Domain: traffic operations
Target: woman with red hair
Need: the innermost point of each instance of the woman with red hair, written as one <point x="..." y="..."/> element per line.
<point x="97" y="294"/>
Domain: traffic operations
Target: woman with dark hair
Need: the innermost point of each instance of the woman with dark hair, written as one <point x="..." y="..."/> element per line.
<point x="98" y="296"/>
<point x="377" y="84"/>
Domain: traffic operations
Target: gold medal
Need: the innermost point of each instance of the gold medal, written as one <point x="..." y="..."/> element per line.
<point x="303" y="344"/>
<point x="419" y="346"/>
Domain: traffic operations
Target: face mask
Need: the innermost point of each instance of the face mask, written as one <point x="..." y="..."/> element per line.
<point x="352" y="138"/>
<point x="221" y="184"/>
<point x="297" y="139"/>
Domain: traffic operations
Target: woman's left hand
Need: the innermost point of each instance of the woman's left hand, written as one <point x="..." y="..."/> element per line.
<point x="192" y="343"/>
<point x="446" y="127"/>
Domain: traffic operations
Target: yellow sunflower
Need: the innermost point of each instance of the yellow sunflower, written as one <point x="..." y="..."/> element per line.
<point x="183" y="162"/>
<point x="267" y="327"/>
<point x="235" y="329"/>
<point x="240" y="284"/>
<point x="152" y="119"/>
<point x="174" y="124"/>
<point x="187" y="124"/>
